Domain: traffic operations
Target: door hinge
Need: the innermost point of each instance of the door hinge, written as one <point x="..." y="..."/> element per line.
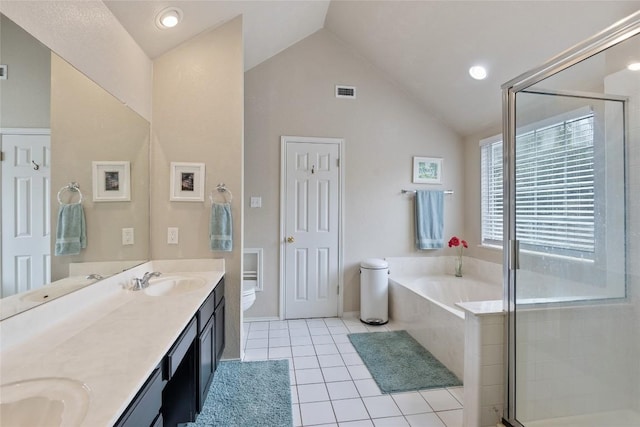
<point x="1" y="156"/>
<point x="338" y="290"/>
<point x="338" y="162"/>
<point x="514" y="254"/>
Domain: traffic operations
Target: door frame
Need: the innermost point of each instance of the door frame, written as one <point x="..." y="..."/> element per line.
<point x="14" y="131"/>
<point x="284" y="140"/>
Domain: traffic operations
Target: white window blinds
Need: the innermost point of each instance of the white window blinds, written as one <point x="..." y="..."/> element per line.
<point x="554" y="188"/>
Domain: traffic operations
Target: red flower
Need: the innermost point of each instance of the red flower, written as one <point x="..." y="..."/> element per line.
<point x="454" y="241"/>
<point x="464" y="244"/>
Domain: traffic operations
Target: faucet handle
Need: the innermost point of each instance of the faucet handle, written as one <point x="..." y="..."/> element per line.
<point x="137" y="284"/>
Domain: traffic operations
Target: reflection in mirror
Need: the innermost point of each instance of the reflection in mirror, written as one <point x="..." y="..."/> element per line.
<point x="55" y="122"/>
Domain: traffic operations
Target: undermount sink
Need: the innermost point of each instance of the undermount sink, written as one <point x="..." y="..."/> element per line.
<point x="50" y="402"/>
<point x="173" y="285"/>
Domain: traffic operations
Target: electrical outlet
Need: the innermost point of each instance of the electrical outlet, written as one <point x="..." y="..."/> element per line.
<point x="172" y="235"/>
<point x="256" y="202"/>
<point x="127" y="236"/>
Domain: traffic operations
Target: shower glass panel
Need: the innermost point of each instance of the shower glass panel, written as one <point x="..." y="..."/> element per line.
<point x="573" y="354"/>
<point x="573" y="168"/>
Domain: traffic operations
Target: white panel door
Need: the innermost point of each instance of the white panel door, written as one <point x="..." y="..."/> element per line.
<point x="26" y="232"/>
<point x="311" y="228"/>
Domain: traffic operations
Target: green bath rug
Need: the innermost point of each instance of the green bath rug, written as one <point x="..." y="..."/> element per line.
<point x="399" y="363"/>
<point x="248" y="394"/>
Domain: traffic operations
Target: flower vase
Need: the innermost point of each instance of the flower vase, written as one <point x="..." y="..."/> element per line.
<point x="459" y="266"/>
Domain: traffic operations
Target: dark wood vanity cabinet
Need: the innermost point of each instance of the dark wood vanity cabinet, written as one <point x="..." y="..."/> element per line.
<point x="144" y="410"/>
<point x="210" y="340"/>
<point x="176" y="390"/>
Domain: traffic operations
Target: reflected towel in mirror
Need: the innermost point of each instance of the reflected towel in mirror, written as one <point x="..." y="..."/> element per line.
<point x="71" y="234"/>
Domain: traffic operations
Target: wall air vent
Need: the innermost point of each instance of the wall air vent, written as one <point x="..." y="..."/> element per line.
<point x="345" y="92"/>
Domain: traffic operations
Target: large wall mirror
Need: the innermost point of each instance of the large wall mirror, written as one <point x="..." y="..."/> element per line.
<point x="57" y="127"/>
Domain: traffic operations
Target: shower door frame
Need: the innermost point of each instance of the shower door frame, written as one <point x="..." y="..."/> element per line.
<point x="611" y="36"/>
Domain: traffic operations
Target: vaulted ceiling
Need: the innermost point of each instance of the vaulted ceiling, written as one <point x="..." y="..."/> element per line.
<point x="425" y="47"/>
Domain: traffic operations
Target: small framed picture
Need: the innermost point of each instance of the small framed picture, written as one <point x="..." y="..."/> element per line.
<point x="187" y="182"/>
<point x="427" y="170"/>
<point x="111" y="181"/>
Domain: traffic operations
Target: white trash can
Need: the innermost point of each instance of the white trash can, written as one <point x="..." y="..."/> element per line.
<point x="374" y="291"/>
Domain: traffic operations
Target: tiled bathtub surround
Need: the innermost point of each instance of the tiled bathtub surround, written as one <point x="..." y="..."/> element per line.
<point x="469" y="343"/>
<point x="423" y="293"/>
<point x="483" y="369"/>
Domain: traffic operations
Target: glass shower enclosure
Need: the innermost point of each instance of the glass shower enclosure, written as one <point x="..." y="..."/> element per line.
<point x="572" y="232"/>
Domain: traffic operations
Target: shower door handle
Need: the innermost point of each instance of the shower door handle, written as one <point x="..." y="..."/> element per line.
<point x="514" y="254"/>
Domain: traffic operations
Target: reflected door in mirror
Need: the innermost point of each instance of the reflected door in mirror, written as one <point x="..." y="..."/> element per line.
<point x="26" y="228"/>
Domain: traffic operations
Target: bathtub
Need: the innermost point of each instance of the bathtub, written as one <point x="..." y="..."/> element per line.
<point x="424" y="304"/>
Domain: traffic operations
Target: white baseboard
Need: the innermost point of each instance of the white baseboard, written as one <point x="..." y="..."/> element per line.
<point x="345" y="315"/>
<point x="260" y="319"/>
<point x="351" y="315"/>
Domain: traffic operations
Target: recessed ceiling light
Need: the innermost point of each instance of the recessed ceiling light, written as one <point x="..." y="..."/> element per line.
<point x="634" y="66"/>
<point x="478" y="72"/>
<point x="169" y="17"/>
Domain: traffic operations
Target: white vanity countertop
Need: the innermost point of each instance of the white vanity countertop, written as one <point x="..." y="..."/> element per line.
<point x="111" y="346"/>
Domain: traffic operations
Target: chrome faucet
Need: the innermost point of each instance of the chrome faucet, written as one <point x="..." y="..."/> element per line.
<point x="139" y="284"/>
<point x="94" y="276"/>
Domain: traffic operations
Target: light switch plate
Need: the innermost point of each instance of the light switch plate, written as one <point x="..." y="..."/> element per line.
<point x="127" y="236"/>
<point x="172" y="235"/>
<point x="256" y="202"/>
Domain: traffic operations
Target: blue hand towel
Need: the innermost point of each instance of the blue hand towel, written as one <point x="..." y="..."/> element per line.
<point x="220" y="227"/>
<point x="429" y="219"/>
<point x="71" y="235"/>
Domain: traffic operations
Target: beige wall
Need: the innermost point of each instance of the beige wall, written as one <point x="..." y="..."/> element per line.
<point x="198" y="117"/>
<point x="24" y="97"/>
<point x="293" y="94"/>
<point x="88" y="124"/>
<point x="89" y="37"/>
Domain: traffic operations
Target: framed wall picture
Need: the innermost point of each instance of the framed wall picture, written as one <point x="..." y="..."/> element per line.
<point x="111" y="181"/>
<point x="187" y="182"/>
<point x="427" y="170"/>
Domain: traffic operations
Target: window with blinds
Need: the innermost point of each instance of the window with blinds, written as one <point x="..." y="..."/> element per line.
<point x="554" y="188"/>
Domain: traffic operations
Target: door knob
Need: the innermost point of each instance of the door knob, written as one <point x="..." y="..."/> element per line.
<point x="290" y="239"/>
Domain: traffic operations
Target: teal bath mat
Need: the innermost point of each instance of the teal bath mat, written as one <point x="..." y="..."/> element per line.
<point x="398" y="362"/>
<point x="248" y="394"/>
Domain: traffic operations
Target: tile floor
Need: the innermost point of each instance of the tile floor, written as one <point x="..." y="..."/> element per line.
<point x="330" y="385"/>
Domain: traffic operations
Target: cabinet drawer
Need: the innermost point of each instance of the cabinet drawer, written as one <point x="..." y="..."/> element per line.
<point x="206" y="311"/>
<point x="180" y="348"/>
<point x="144" y="409"/>
<point x="219" y="324"/>
<point x="219" y="291"/>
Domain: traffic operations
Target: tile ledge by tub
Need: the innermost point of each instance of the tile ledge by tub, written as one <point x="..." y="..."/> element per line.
<point x="482" y="308"/>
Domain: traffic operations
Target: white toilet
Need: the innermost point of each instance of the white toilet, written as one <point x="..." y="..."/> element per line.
<point x="248" y="295"/>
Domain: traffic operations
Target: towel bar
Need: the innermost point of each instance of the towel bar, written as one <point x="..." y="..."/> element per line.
<point x="71" y="187"/>
<point x="413" y="191"/>
<point x="221" y="188"/>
